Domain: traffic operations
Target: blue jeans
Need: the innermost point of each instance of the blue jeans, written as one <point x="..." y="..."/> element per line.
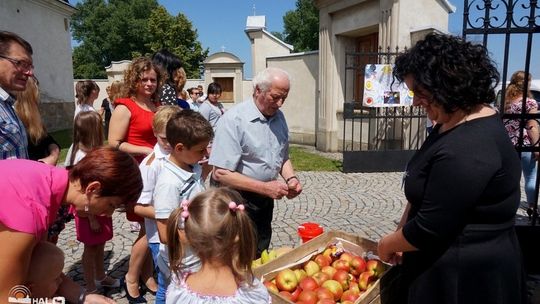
<point x="162" y="284"/>
<point x="528" y="165"/>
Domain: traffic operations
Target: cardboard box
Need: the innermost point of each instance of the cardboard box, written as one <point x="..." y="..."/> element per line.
<point x="351" y="243"/>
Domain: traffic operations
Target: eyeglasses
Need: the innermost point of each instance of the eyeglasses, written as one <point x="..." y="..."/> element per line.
<point x="21" y="65"/>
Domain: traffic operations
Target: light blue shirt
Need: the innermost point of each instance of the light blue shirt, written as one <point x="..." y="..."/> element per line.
<point x="211" y="112"/>
<point x="249" y="143"/>
<point x="13" y="138"/>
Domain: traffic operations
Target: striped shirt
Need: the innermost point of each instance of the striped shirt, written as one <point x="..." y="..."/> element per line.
<point x="13" y="140"/>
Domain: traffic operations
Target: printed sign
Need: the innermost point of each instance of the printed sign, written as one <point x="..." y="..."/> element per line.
<point x="381" y="89"/>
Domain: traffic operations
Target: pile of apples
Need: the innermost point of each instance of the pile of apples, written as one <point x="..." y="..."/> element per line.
<point x="334" y="276"/>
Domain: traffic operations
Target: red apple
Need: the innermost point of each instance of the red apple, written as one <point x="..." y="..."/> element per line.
<point x="300" y="274"/>
<point x="349" y="296"/>
<point x="341" y="264"/>
<point x="358" y="265"/>
<point x="296" y="293"/>
<point x="353" y="286"/>
<point x="308" y="297"/>
<point x="311" y="268"/>
<point x="326" y="301"/>
<point x="324" y="293"/>
<point x="271" y="286"/>
<point x="376" y="266"/>
<point x="346" y="256"/>
<point x="365" y="279"/>
<point x="347" y="302"/>
<point x="343" y="278"/>
<point x="329" y="270"/>
<point x="334" y="287"/>
<point x="308" y="283"/>
<point x="320" y="277"/>
<point x="286" y="280"/>
<point x="287" y="295"/>
<point x="322" y="260"/>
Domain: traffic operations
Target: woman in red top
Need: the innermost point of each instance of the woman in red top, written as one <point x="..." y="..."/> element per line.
<point x="131" y="131"/>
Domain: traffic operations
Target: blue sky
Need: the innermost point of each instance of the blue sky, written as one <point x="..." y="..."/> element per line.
<point x="221" y="23"/>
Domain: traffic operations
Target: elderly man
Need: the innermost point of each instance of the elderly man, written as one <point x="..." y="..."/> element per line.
<point x="15" y="68"/>
<point x="251" y="149"/>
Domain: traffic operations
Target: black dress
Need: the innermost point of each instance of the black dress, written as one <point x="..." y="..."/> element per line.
<point x="41" y="149"/>
<point x="464" y="189"/>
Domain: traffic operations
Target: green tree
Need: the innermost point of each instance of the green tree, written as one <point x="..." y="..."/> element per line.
<point x="301" y="27"/>
<point x="175" y="33"/>
<point x="113" y="30"/>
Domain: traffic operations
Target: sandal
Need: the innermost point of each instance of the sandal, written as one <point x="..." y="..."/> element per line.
<point x="107" y="282"/>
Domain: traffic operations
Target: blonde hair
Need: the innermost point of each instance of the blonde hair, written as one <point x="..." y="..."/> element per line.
<point x="87" y="133"/>
<point x="215" y="232"/>
<point x="515" y="88"/>
<point x="133" y="76"/>
<point x="163" y="115"/>
<point x="117" y="90"/>
<point x="27" y="109"/>
<point x="180" y="79"/>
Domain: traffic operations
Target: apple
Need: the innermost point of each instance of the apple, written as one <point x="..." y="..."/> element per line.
<point x="308" y="296"/>
<point x="343" y="278"/>
<point x="376" y="266"/>
<point x="308" y="283"/>
<point x="341" y="264"/>
<point x="334" y="287"/>
<point x="329" y="270"/>
<point x="320" y="277"/>
<point x="296" y="293"/>
<point x="287" y="295"/>
<point x="300" y="274"/>
<point x="347" y="302"/>
<point x="349" y="296"/>
<point x="358" y="265"/>
<point x="326" y="301"/>
<point x="346" y="257"/>
<point x="353" y="286"/>
<point x="271" y="286"/>
<point x="324" y="293"/>
<point x="311" y="268"/>
<point x="286" y="280"/>
<point x="322" y="260"/>
<point x="365" y="279"/>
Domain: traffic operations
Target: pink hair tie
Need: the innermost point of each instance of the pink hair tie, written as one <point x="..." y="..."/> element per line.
<point x="233" y="206"/>
<point x="184" y="205"/>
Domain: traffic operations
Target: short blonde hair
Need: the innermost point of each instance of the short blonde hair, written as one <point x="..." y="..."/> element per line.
<point x="163" y="115"/>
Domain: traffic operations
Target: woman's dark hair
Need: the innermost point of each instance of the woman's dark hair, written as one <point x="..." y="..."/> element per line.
<point x="168" y="62"/>
<point x="214" y="88"/>
<point x="458" y="74"/>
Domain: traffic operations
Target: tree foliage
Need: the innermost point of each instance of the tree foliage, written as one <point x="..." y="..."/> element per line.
<point x="301" y="26"/>
<point x="113" y="30"/>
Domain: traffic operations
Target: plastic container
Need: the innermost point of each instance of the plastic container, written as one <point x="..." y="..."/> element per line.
<point x="309" y="230"/>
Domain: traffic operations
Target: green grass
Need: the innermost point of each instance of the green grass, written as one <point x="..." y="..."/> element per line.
<point x="304" y="160"/>
<point x="63" y="138"/>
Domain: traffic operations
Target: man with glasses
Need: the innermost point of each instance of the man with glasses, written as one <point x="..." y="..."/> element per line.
<point x="15" y="68"/>
<point x="194" y="94"/>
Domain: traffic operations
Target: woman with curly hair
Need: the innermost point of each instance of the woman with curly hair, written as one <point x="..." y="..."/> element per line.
<point x="456" y="236"/>
<point x="131" y="131"/>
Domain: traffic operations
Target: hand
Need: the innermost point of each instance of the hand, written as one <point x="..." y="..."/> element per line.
<point x="295" y="188"/>
<point x="384" y="254"/>
<point x="276" y="189"/>
<point x="97" y="299"/>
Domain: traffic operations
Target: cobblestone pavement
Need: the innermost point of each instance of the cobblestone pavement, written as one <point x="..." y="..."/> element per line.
<point x="367" y="204"/>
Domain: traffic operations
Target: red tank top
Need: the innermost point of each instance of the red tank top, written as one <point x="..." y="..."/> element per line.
<point x="140" y="131"/>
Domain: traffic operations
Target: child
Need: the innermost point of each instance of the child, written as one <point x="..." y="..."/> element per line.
<point x="86" y="92"/>
<point x="211" y="108"/>
<point x="220" y="233"/>
<point x="150" y="168"/>
<point x="188" y="134"/>
<point x="93" y="231"/>
<point x="45" y="271"/>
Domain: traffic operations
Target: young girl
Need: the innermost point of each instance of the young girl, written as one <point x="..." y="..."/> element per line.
<point x="211" y="108"/>
<point x="86" y="92"/>
<point x="92" y="231"/>
<point x="220" y="232"/>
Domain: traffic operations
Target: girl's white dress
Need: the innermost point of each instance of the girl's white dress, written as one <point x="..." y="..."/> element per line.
<point x="179" y="292"/>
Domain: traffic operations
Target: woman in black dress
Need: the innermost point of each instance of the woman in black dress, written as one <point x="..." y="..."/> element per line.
<point x="456" y="240"/>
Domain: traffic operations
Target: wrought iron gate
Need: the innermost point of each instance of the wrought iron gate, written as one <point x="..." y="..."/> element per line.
<point x="506" y="22"/>
<point x="377" y="139"/>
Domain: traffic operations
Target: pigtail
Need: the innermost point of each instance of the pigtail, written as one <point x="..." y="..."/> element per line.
<point x="176" y="252"/>
<point x="245" y="247"/>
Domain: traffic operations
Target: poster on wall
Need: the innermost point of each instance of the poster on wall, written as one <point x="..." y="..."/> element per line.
<point x="381" y="89"/>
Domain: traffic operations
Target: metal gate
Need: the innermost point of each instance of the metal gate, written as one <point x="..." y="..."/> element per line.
<point x="500" y="26"/>
<point x="377" y="139"/>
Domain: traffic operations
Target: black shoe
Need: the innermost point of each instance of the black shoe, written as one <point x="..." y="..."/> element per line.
<point x="132" y="300"/>
<point x="145" y="289"/>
